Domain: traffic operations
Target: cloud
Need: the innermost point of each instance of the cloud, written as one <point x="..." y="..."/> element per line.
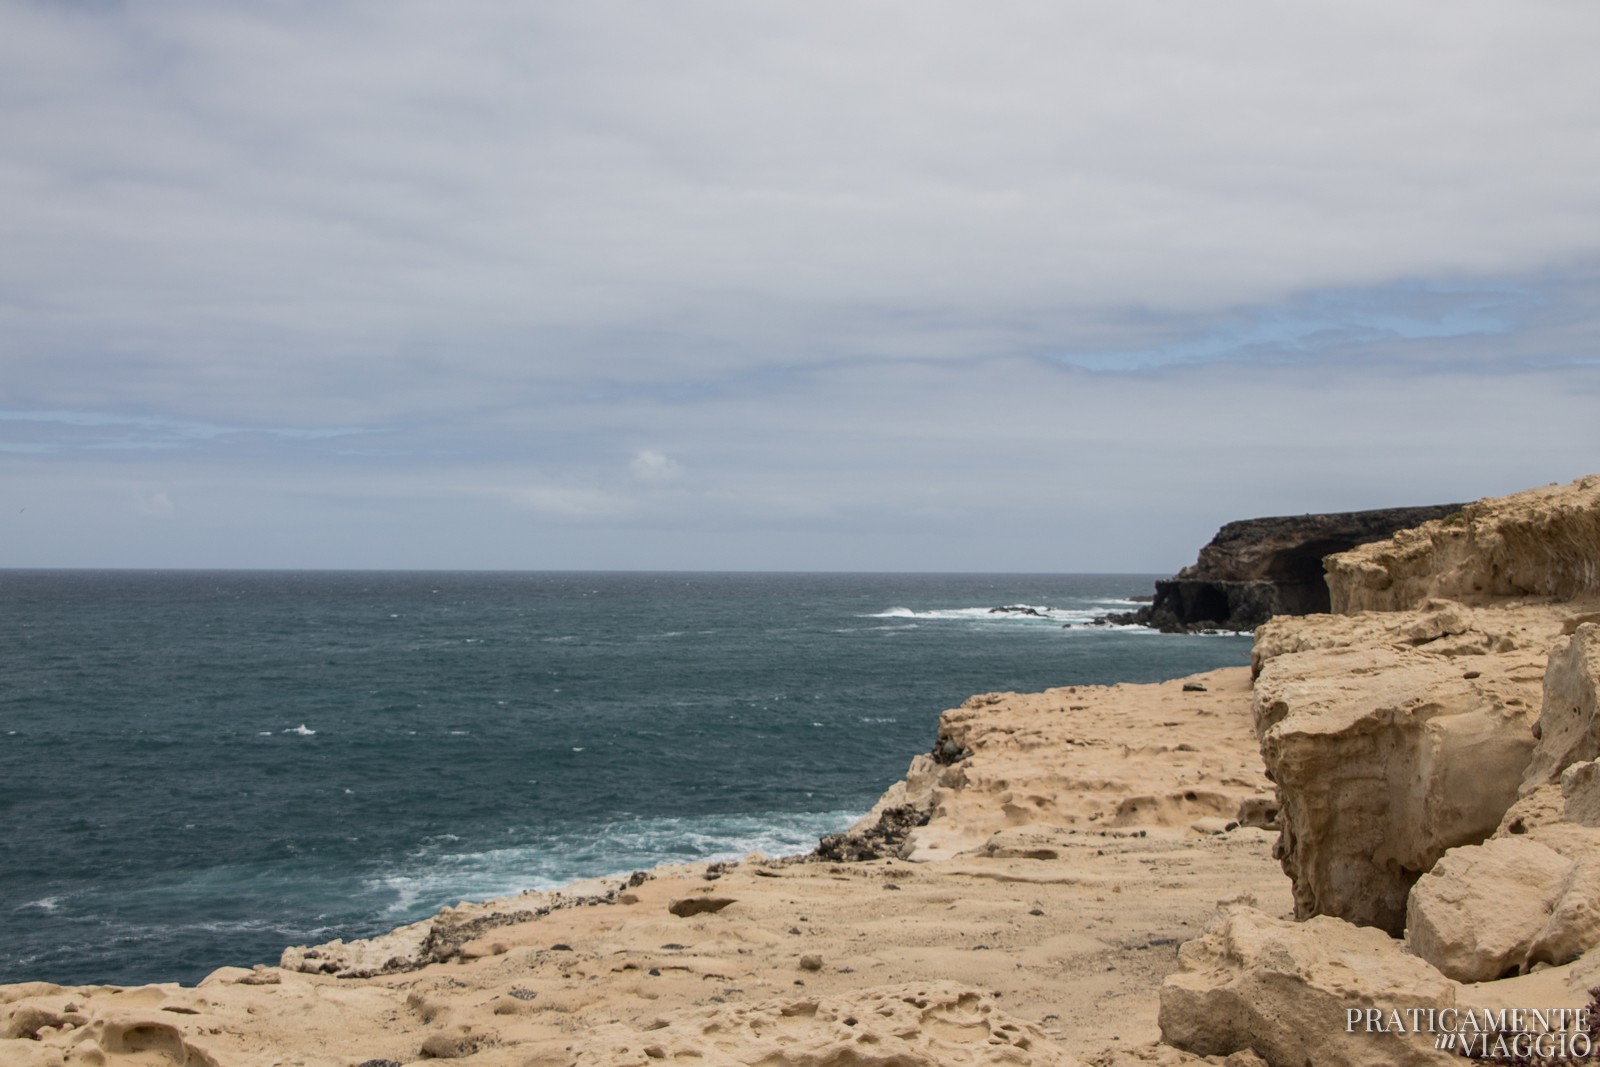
<point x="153" y="505"/>
<point x="899" y="267"/>
<point x="654" y="468"/>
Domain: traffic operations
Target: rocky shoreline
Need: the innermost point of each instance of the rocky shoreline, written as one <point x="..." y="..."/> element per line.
<point x="1389" y="820"/>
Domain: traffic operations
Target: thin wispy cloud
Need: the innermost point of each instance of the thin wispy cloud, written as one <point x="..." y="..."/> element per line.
<point x="896" y="268"/>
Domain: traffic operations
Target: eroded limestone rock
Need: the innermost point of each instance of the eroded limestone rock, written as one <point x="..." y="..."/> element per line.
<point x="1569" y="721"/>
<point x="1385" y="757"/>
<point x="1477" y="913"/>
<point x="1537" y="543"/>
<point x="1283" y="989"/>
<point x="1580" y="793"/>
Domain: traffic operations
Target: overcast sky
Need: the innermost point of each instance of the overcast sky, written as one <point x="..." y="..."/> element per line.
<point x="842" y="284"/>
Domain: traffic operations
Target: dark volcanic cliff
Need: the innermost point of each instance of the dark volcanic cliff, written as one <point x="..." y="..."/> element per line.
<point x="1257" y="568"/>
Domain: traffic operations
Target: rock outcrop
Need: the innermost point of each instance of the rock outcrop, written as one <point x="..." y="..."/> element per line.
<point x="1543" y="543"/>
<point x="1257" y="568"/>
<point x="1531" y="894"/>
<point x="1395" y="735"/>
<point x="1569" y="721"/>
<point x="1434" y="748"/>
<point x="1392" y="739"/>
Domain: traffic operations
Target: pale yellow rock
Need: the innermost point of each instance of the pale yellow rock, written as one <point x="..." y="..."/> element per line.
<point x="1395" y="728"/>
<point x="1384" y="758"/>
<point x="933" y="1025"/>
<point x="1573" y="927"/>
<point x="1565" y="986"/>
<point x="1569" y="720"/>
<point x="1580" y="793"/>
<point x="1537" y="543"/>
<point x="1285" y="991"/>
<point x="1477" y="913"/>
<point x="1050" y="759"/>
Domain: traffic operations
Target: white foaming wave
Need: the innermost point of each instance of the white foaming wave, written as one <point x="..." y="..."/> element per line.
<point x="302" y="730"/>
<point x="42" y="904"/>
<point x="1032" y="613"/>
<point x="434" y="879"/>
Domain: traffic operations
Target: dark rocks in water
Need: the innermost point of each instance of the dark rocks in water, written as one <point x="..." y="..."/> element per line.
<point x="1019" y="609"/>
<point x="1254" y="569"/>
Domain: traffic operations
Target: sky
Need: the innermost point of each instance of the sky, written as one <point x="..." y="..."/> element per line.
<point x="868" y="285"/>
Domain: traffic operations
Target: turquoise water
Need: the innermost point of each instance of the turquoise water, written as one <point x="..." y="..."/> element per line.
<point x="198" y="768"/>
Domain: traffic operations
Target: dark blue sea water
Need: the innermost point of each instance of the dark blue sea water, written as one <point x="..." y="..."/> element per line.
<point x="199" y="768"/>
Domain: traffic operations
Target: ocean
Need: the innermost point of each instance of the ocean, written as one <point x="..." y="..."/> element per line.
<point x="200" y="768"/>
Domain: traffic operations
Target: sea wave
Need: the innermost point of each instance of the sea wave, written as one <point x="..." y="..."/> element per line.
<point x="431" y="877"/>
<point x="42" y="904"/>
<point x="999" y="613"/>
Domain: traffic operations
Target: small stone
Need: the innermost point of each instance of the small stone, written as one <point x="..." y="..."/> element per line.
<point x="1193" y="687"/>
<point x="698" y="906"/>
<point x="810" y="963"/>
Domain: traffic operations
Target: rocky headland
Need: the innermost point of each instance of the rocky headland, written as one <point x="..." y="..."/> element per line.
<point x="1254" y="569"/>
<point x="1390" y="819"/>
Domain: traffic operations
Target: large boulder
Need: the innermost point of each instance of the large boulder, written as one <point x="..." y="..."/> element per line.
<point x="1385" y="756"/>
<point x="1477" y="913"/>
<point x="1501" y="908"/>
<point x="1287" y="991"/>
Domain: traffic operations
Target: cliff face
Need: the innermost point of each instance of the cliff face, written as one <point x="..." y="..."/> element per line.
<point x="1455" y="678"/>
<point x="1257" y="568"/>
<point x="1542" y="543"/>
